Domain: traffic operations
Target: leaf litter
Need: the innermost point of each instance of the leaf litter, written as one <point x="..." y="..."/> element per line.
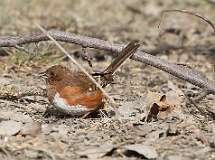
<point x="173" y="131"/>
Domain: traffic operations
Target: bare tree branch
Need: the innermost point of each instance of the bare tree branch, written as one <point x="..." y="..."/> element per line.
<point x="183" y="72"/>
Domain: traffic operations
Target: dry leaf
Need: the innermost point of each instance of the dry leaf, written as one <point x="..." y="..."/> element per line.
<point x="96" y="152"/>
<point x="141" y="150"/>
<point x="160" y="106"/>
<point x="10" y="128"/>
<point x="15" y="116"/>
<point x="31" y="129"/>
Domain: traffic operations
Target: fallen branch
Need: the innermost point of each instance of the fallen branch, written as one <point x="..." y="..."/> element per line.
<point x="183" y="72"/>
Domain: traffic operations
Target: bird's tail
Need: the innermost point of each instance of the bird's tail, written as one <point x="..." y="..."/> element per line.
<point x="127" y="52"/>
<point x="107" y="74"/>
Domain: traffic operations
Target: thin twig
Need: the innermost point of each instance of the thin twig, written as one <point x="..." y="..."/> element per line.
<point x="181" y="72"/>
<point x="190" y="13"/>
<point x="80" y="67"/>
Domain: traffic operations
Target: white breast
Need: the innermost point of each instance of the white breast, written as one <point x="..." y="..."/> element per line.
<point x="62" y="106"/>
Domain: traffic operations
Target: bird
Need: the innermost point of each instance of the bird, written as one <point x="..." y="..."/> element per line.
<point x="73" y="93"/>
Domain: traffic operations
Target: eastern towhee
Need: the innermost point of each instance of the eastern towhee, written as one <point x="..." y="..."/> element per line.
<point x="73" y="93"/>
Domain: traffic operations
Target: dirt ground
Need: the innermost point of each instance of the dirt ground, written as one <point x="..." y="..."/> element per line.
<point x="188" y="132"/>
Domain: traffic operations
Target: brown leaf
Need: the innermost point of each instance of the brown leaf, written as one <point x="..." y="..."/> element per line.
<point x="160" y="106"/>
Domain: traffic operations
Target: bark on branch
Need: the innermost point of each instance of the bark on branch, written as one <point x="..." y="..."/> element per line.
<point x="183" y="72"/>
